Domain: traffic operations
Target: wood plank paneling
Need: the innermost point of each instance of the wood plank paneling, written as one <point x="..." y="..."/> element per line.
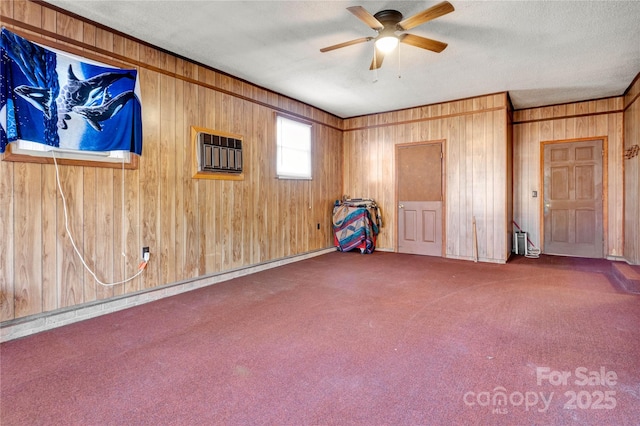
<point x="509" y="184"/>
<point x="90" y="231"/>
<point x="190" y="194"/>
<point x="166" y="245"/>
<point x="181" y="161"/>
<point x="70" y="277"/>
<point x="27" y="228"/>
<point x="27" y="12"/>
<point x="149" y="205"/>
<point x="474" y="131"/>
<point x="7" y="253"/>
<point x="105" y="231"/>
<point x="49" y="237"/>
<point x="632" y="174"/>
<point x="6" y="8"/>
<point x="590" y="119"/>
<point x="132" y="227"/>
<point x="247" y="209"/>
<point x="193" y="227"/>
<point x="261" y="121"/>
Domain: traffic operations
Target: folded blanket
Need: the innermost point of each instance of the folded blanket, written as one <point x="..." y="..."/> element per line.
<point x="354" y="228"/>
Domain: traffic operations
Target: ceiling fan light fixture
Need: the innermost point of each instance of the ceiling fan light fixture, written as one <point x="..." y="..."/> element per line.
<point x="389" y="22"/>
<point x="387" y="43"/>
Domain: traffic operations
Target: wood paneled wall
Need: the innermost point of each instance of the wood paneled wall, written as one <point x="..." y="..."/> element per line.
<point x="591" y="119"/>
<point x="193" y="227"/>
<point x="632" y="174"/>
<point x="477" y="178"/>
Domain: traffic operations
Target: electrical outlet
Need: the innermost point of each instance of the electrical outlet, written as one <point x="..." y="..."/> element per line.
<point x="145" y="253"/>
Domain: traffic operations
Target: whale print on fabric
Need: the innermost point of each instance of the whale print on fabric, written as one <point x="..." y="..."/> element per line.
<point x="36" y="96"/>
<point x="95" y="114"/>
<point x="80" y="93"/>
<point x="60" y="100"/>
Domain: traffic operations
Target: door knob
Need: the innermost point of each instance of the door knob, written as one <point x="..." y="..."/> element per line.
<point x="401" y="206"/>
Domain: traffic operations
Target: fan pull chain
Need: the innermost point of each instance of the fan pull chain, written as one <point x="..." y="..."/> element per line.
<point x="399" y="72"/>
<point x="375" y="65"/>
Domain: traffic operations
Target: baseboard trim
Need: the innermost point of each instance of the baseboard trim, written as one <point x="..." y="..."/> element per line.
<point x="26" y="326"/>
<point x="481" y="259"/>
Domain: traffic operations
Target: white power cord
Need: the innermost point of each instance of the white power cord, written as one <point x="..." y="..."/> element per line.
<point x="66" y="226"/>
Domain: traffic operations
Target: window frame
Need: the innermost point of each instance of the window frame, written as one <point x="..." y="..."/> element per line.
<point x="309" y="152"/>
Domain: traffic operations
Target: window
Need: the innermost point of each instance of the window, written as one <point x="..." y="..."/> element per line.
<point x="294" y="149"/>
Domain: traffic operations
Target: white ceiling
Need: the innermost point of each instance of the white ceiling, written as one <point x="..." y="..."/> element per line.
<point x="541" y="52"/>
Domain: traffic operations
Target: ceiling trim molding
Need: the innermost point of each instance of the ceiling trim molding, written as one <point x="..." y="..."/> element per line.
<point x="11" y="22"/>
<point x="419" y="120"/>
<point x="564" y="117"/>
<point x="506" y="94"/>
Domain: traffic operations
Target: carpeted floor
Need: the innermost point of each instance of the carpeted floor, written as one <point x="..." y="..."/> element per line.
<point x="348" y="339"/>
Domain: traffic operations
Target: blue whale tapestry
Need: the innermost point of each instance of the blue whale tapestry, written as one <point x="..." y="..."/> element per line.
<point x="55" y="98"/>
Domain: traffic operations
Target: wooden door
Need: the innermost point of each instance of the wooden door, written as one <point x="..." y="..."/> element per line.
<point x="573" y="199"/>
<point x="419" y="192"/>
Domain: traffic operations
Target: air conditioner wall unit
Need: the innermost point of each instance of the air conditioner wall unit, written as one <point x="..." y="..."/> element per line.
<point x="22" y="147"/>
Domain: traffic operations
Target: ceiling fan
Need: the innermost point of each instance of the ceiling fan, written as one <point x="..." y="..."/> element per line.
<point x="387" y="22"/>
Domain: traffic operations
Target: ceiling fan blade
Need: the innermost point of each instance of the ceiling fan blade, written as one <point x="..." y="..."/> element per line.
<point x="423" y="42"/>
<point x="346" y="43"/>
<point x="362" y="14"/>
<point x="376" y="62"/>
<point x="426" y="15"/>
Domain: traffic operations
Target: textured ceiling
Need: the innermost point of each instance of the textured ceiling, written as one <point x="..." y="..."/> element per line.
<point x="541" y="52"/>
